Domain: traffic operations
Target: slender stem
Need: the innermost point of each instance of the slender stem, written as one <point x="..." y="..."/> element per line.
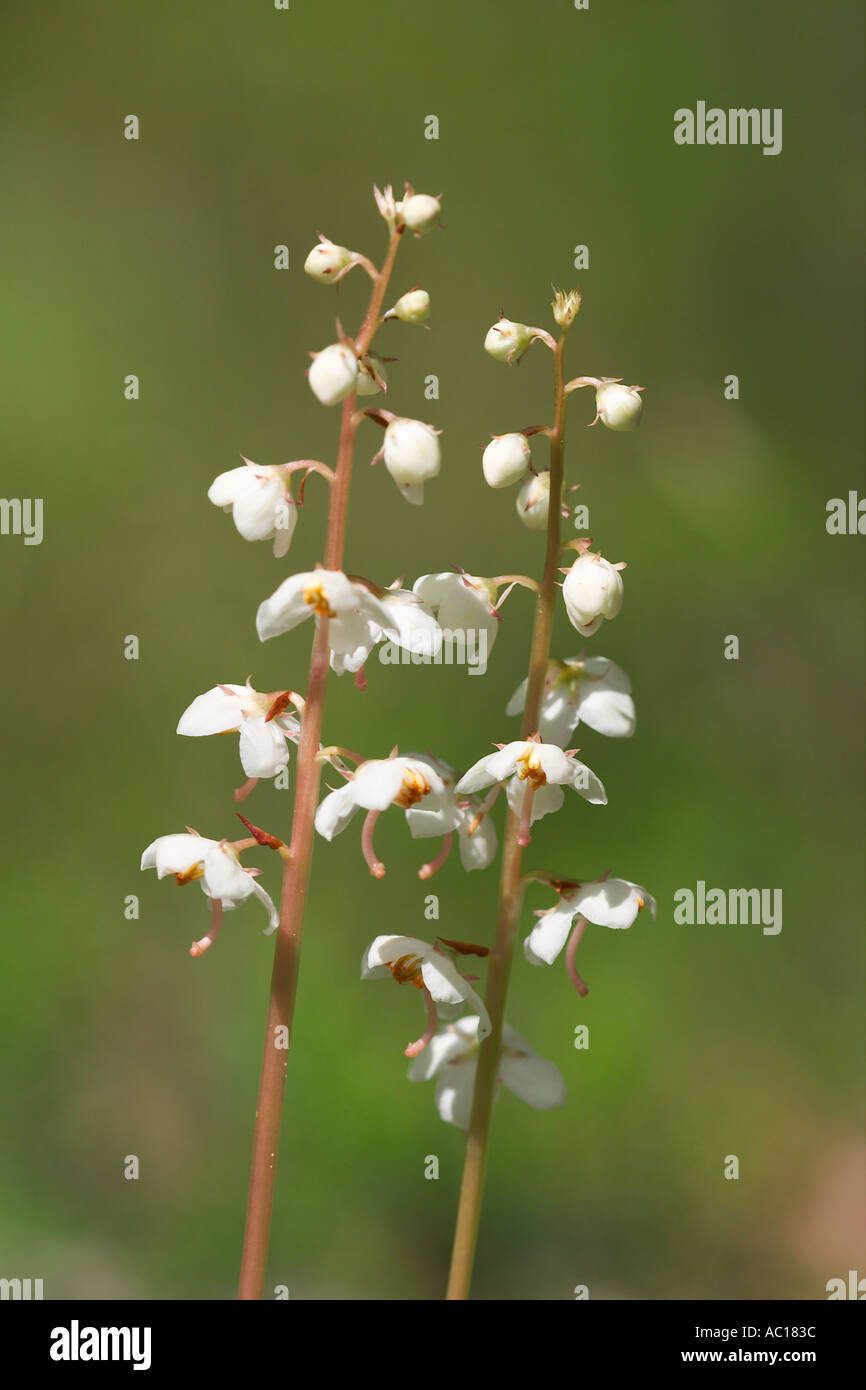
<point x="511" y="884"/>
<point x="296" y="873"/>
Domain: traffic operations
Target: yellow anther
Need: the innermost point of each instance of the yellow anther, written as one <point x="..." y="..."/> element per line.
<point x="529" y="767"/>
<point x="315" y="596"/>
<point x="415" y="785"/>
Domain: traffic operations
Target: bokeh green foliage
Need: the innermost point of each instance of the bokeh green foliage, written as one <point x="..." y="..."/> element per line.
<point x="261" y="127"/>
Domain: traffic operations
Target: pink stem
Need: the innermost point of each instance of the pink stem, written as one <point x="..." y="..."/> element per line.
<point x="198" y="948"/>
<point x="428" y="870"/>
<point x="523" y="835"/>
<point x="377" y="868"/>
<point x="241" y="793"/>
<point x="432" y="1023"/>
<point x="484" y="808"/>
<point x="570" y="952"/>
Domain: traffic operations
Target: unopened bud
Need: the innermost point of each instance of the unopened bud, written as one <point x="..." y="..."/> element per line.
<point x="533" y="501"/>
<point x="334" y="373"/>
<point x="506" y="459"/>
<point x="419" y="212"/>
<point x="566" y="306"/>
<point x="411" y="452"/>
<point x="413" y="307"/>
<point x="618" y="407"/>
<point x="327" y="260"/>
<point x="592" y="591"/>
<point x="507" y="341"/>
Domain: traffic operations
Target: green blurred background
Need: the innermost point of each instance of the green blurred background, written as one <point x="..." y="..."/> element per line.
<point x="261" y="127"/>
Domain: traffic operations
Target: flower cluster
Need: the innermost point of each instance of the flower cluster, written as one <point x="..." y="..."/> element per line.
<point x="352" y="615"/>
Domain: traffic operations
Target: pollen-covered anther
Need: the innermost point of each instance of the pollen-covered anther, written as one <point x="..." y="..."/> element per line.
<point x="415" y="786"/>
<point x="407" y="970"/>
<point x="529" y="768"/>
<point x="195" y="871"/>
<point x="317" y="599"/>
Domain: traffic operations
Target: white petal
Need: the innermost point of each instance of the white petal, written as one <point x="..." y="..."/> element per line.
<point x="478" y="850"/>
<point x="609" y="712"/>
<point x="225" y="488"/>
<point x="447" y="985"/>
<point x="385" y="949"/>
<point x="437" y="813"/>
<point x="454" y="1092"/>
<point x="255" y="510"/>
<point x="224" y="878"/>
<point x="378" y="781"/>
<point x="262" y="747"/>
<point x="559" y="715"/>
<point x="534" y="1080"/>
<point x="440" y="1050"/>
<point x="175" y="854"/>
<point x="351" y="637"/>
<point x="550" y="933"/>
<point x="285" y="608"/>
<point x="411" y="624"/>
<point x="587" y="784"/>
<point x="555" y="765"/>
<point x="336" y="811"/>
<point x="495" y="767"/>
<point x="615" y="902"/>
<point x="214" y="712"/>
<point x="546" y="800"/>
<point x="268" y="903"/>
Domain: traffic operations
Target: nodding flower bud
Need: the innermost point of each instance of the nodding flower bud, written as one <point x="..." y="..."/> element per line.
<point x="411" y="453"/>
<point x="618" y="407"/>
<point x="507" y="341"/>
<point x="506" y="459"/>
<point x="419" y="212"/>
<point x="592" y="591"/>
<point x="372" y="376"/>
<point x="333" y="374"/>
<point x="413" y="307"/>
<point x="533" y="501"/>
<point x="327" y="262"/>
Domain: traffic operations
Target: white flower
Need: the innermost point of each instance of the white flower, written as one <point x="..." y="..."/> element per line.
<point x="608" y="902"/>
<point x="533" y="501"/>
<point x="618" y="407"/>
<point x="328" y="262"/>
<point x="411" y="961"/>
<point x="476" y="833"/>
<point x="261" y="504"/>
<point x="411" y="453"/>
<point x="333" y="374"/>
<point x="409" y="782"/>
<point x="541" y="766"/>
<point x="419" y="211"/>
<point x="358" y="617"/>
<point x="462" y="602"/>
<point x="452" y="1056"/>
<point x="412" y="307"/>
<point x="260" y="720"/>
<point x="507" y="341"/>
<point x="589" y="690"/>
<point x="592" y="591"/>
<point x="506" y="459"/>
<point x="214" y="864"/>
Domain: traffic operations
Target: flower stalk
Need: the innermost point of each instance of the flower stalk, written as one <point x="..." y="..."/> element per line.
<point x="296" y="871"/>
<point x="511" y="883"/>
